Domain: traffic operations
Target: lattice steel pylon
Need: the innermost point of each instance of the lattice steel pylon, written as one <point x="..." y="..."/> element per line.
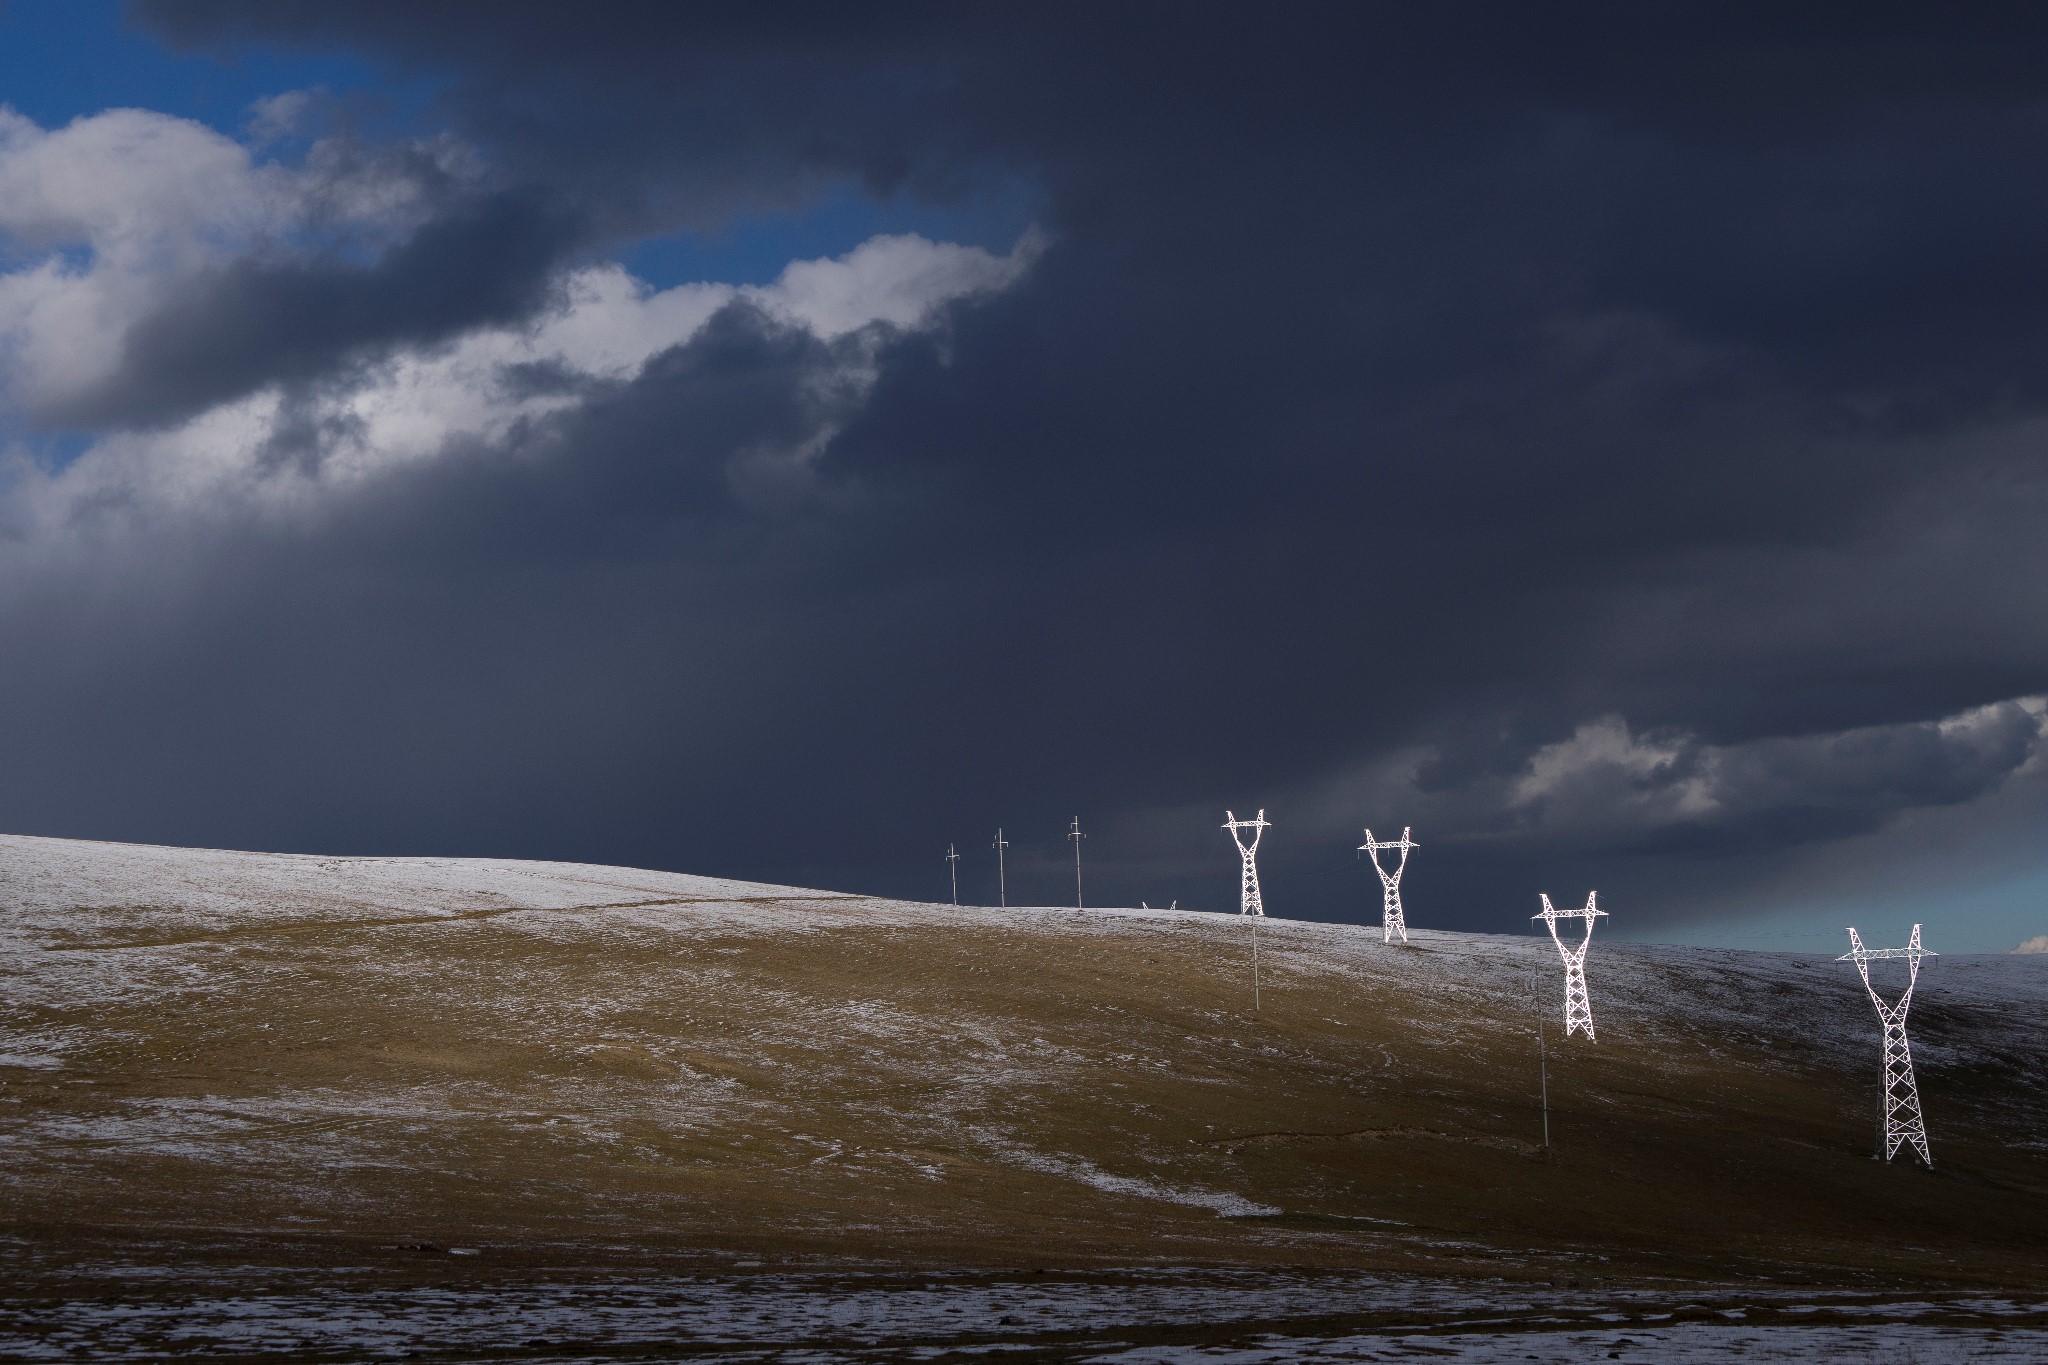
<point x="1578" y="1007"/>
<point x="1901" y="1102"/>
<point x="1392" y="921"/>
<point x="1248" y="886"/>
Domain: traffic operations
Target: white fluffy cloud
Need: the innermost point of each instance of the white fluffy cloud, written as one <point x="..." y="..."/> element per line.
<point x="412" y="406"/>
<point x="118" y="205"/>
<point x="896" y="279"/>
<point x="110" y="213"/>
<point x="105" y="216"/>
<point x="129" y="183"/>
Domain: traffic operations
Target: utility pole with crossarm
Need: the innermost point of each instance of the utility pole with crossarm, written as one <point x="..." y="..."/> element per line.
<point x="1077" y="836"/>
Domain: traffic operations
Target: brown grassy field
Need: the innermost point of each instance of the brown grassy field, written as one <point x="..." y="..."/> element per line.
<point x="223" y="1059"/>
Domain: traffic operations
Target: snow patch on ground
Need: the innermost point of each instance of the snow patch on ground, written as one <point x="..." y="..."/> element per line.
<point x="1225" y="1205"/>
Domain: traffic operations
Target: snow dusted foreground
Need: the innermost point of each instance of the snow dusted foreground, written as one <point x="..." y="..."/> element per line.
<point x="251" y="1102"/>
<point x="1129" y="1318"/>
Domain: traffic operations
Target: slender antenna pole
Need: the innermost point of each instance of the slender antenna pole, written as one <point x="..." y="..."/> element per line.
<point x="1077" y="836"/>
<point x="1002" y="893"/>
<point x="953" y="866"/>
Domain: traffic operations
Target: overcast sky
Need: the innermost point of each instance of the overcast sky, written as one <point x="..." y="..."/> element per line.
<point x="777" y="440"/>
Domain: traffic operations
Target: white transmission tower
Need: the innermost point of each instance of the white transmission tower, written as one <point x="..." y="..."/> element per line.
<point x="1248" y="886"/>
<point x="1900" y="1106"/>
<point x="953" y="866"/>
<point x="1578" y="1008"/>
<point x="1392" y="921"/>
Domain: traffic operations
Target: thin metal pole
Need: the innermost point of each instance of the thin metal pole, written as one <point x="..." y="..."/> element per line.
<point x="1255" y="963"/>
<point x="1077" y="836"/>
<point x="953" y="866"/>
<point x="1002" y="893"/>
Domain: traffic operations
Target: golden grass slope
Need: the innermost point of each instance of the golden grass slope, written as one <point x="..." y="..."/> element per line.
<point x="309" y="1051"/>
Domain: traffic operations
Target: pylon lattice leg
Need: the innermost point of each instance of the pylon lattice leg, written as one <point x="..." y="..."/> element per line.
<point x="1902" y="1120"/>
<point x="1578" y="1005"/>
<point x="1391" y="920"/>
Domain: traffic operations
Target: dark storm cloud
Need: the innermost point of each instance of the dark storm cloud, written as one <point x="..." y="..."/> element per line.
<point x="227" y="332"/>
<point x="1434" y="380"/>
<point x="640" y="464"/>
<point x="558" y="639"/>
